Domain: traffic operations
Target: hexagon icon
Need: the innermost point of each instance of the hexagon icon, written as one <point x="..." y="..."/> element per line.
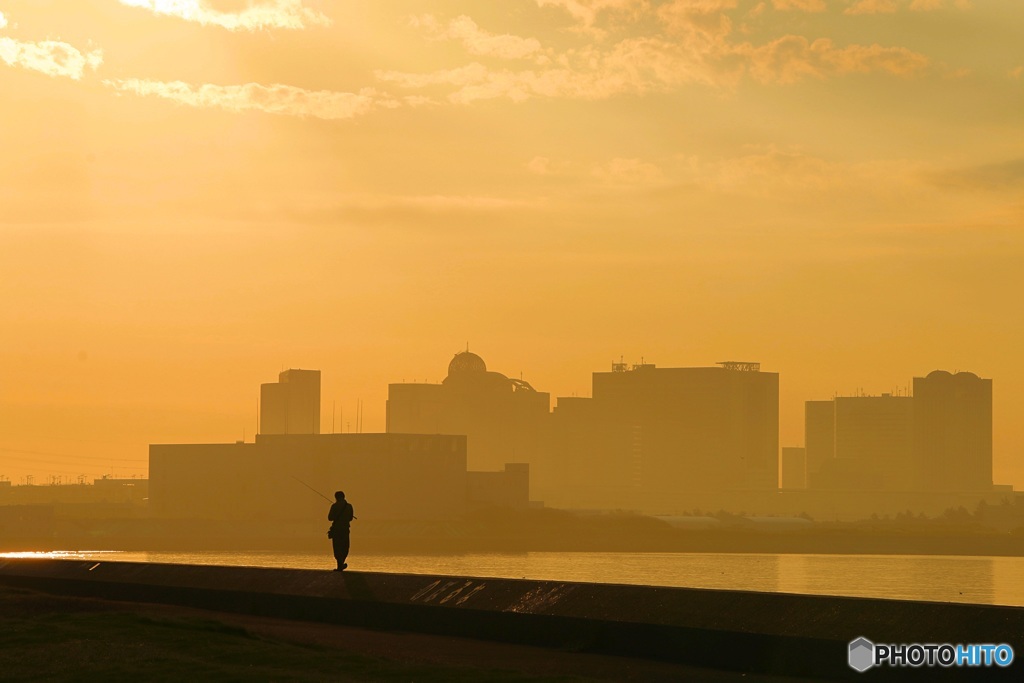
<point x="862" y="654"/>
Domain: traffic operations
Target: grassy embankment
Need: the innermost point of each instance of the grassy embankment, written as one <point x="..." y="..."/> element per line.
<point x="49" y="638"/>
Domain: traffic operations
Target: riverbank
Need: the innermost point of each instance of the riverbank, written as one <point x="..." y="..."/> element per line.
<point x="62" y="638"/>
<point x="760" y="634"/>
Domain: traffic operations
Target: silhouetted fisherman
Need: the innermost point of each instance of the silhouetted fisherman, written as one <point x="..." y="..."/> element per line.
<point x="341" y="515"/>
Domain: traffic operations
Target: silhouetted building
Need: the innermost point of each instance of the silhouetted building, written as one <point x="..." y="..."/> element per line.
<point x="794" y="468"/>
<point x="819" y="437"/>
<point x="873" y="439"/>
<point x="508" y="488"/>
<point x="391" y="476"/>
<point x="292" y="404"/>
<point x="953" y="431"/>
<point x="388" y="476"/>
<point x="940" y="439"/>
<point x="593" y="460"/>
<point x="650" y="436"/>
<point x="503" y="419"/>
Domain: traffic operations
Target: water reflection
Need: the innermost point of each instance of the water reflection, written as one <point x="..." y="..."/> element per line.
<point x="937" y="579"/>
<point x="985" y="580"/>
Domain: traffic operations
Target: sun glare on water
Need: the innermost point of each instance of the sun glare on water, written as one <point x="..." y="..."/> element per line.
<point x="56" y="554"/>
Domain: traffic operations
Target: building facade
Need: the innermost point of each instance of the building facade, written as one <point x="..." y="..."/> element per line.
<point x="793" y="469"/>
<point x="292" y="404"/>
<point x="650" y="438"/>
<point x="387" y="476"/>
<point x="504" y="420"/>
<point x="280" y="478"/>
<point x="939" y="439"/>
<point x="953" y="431"/>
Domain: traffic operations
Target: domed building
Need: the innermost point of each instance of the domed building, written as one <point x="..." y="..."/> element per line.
<point x="503" y="419"/>
<point x="466" y="362"/>
<point x="937" y="440"/>
<point x="953" y="431"/>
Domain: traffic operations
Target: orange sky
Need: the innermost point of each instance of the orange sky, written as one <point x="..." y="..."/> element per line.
<point x="196" y="195"/>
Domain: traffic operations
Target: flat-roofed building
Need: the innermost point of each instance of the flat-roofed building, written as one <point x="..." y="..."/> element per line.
<point x="292" y="404"/>
<point x="388" y="476"/>
<point x="819" y="437"/>
<point x="793" y="472"/>
<point x="873" y="439"/>
<point x="939" y="439"/>
<point x="650" y="438"/>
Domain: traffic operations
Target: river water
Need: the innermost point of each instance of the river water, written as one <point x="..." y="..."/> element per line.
<point x="984" y="580"/>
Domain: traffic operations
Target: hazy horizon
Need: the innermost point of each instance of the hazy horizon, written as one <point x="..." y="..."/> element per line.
<point x="196" y="195"/>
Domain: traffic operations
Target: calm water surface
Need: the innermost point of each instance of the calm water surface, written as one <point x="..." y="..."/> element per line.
<point x="986" y="580"/>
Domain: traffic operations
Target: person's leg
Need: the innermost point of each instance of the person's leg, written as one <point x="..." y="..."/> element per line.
<point x="340" y="544"/>
<point x="342" y="553"/>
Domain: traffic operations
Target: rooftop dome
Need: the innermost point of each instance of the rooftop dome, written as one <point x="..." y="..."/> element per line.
<point x="466" y="362"/>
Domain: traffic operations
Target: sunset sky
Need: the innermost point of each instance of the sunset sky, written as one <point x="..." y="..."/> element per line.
<point x="195" y="195"/>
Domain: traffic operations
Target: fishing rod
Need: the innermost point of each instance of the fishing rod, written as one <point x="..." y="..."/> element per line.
<point x="313" y="489"/>
<point x="317" y="492"/>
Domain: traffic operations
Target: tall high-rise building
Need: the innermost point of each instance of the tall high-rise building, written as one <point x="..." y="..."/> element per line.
<point x="872" y="443"/>
<point x="653" y="436"/>
<point x="593" y="460"/>
<point x="876" y="435"/>
<point x="292" y="404"/>
<point x="953" y="431"/>
<point x="940" y="439"/>
<point x="819" y="438"/>
<point x="793" y="472"/>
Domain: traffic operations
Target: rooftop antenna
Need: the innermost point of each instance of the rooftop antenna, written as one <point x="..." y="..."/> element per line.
<point x="334" y="409"/>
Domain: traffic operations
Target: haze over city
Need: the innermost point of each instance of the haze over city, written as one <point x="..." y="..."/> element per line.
<point x="196" y="195"/>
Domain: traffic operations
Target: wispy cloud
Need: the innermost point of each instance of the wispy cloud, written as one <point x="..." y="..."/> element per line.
<point x="680" y="42"/>
<point x="872" y="7"/>
<point x="891" y="6"/>
<point x="273" y="99"/>
<point x="996" y="176"/>
<point x="586" y="12"/>
<point x="478" y="41"/>
<point x="283" y="14"/>
<point x="634" y="66"/>
<point x="802" y="5"/>
<point x="792" y="58"/>
<point x="630" y="172"/>
<point x="51" y="57"/>
<point x="761" y="171"/>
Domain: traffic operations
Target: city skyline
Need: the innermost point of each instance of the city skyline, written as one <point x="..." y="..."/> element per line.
<point x="195" y="194"/>
<point x="332" y="420"/>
